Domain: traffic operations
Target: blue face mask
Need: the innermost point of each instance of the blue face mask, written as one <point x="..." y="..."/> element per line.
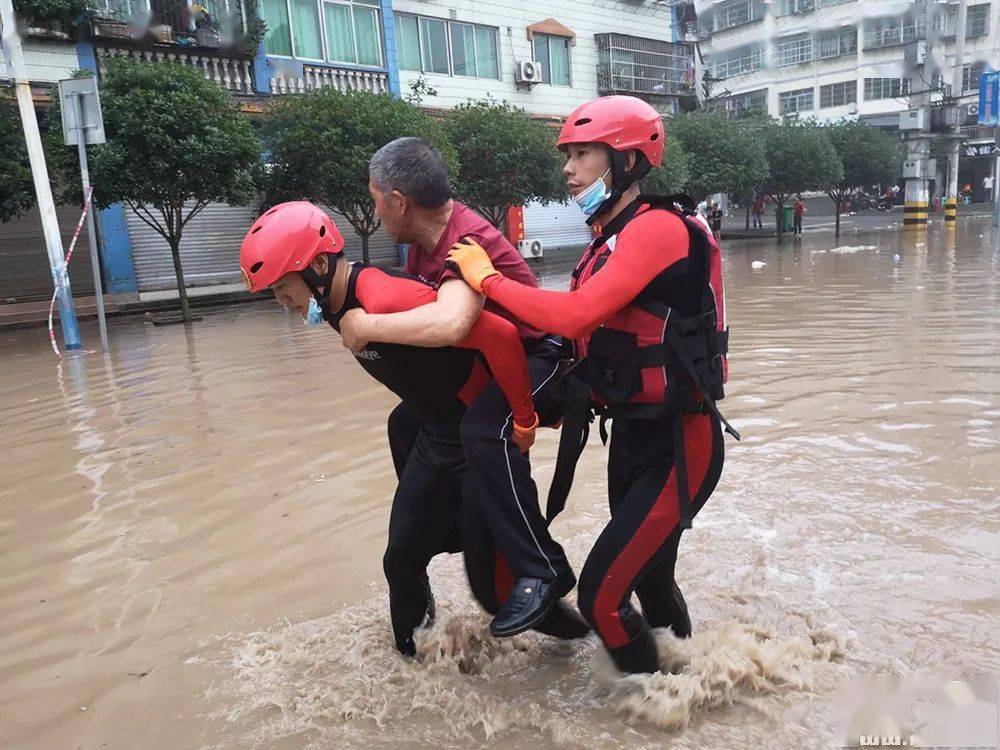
<point x="315" y="315"/>
<point x="591" y="199"/>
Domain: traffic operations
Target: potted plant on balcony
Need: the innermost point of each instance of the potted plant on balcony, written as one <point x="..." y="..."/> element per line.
<point x="59" y="19"/>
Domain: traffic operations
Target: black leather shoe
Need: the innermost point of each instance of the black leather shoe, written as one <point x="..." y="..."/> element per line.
<point x="529" y="602"/>
<point x="563" y="622"/>
<point x="638" y="656"/>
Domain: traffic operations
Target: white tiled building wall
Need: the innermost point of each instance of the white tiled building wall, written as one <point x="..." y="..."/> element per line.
<point x="511" y="19"/>
<point x="47" y="62"/>
<point x="870" y="63"/>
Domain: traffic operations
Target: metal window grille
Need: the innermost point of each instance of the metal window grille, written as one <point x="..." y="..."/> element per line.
<point x="892" y="32"/>
<point x="886" y="88"/>
<point x="740" y="62"/>
<point x="795" y="51"/>
<point x="838" y="94"/>
<point x="837" y="44"/>
<point x="970" y="76"/>
<point x="636" y="65"/>
<point x="737" y="14"/>
<point x="800" y="100"/>
<point x="795" y="7"/>
<point x="121" y="10"/>
<point x="740" y="105"/>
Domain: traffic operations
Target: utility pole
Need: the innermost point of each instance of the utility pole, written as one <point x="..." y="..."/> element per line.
<point x="39" y="173"/>
<point x="917" y="206"/>
<point x="951" y="203"/>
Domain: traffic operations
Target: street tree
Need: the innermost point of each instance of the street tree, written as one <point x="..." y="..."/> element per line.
<point x="505" y="158"/>
<point x="800" y="158"/>
<point x="17" y="192"/>
<point x="869" y="156"/>
<point x="724" y="156"/>
<point x="672" y="176"/>
<point x="175" y="143"/>
<point x="320" y="144"/>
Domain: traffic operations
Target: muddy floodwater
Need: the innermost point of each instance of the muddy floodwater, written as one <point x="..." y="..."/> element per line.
<point x="191" y="532"/>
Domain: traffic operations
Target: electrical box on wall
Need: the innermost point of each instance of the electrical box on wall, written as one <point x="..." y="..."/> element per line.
<point x="912" y="119"/>
<point x="915" y="169"/>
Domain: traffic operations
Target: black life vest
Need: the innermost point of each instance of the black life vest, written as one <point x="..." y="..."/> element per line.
<point x="662" y="355"/>
<point x="430" y="381"/>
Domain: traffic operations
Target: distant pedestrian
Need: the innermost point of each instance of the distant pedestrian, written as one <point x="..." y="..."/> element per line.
<point x="758" y="212"/>
<point x="988" y="188"/>
<point x="715" y="216"/>
<point x="798" y="211"/>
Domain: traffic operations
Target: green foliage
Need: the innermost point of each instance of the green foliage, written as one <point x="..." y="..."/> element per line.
<point x="723" y="156"/>
<point x="17" y="191"/>
<point x="869" y="156"/>
<point x="69" y="13"/>
<point x="672" y="176"/>
<point x="800" y="157"/>
<point x="173" y="139"/>
<point x="505" y="158"/>
<point x="320" y="144"/>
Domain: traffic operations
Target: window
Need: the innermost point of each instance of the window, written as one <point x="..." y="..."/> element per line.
<point x="795" y="50"/>
<point x="892" y="32"/>
<point x="278" y="39"/>
<point x="829" y="3"/>
<point x="553" y="53"/>
<point x="977" y="21"/>
<point x="738" y="13"/>
<point x="121" y="10"/>
<point x="838" y="94"/>
<point x="346" y="31"/>
<point x="886" y="88"/>
<point x="971" y="75"/>
<point x="837" y="44"/>
<point x="636" y="65"/>
<point x="739" y="62"/>
<point x="435" y="45"/>
<point x="741" y="105"/>
<point x="795" y="7"/>
<point x="800" y="100"/>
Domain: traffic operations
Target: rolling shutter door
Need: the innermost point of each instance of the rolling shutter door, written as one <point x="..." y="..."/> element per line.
<point x="25" y="275"/>
<point x="210" y="248"/>
<point x="557" y="225"/>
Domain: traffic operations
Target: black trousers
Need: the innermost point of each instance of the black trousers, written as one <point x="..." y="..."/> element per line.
<point x="428" y="519"/>
<point x="797" y="224"/>
<point x="637" y="550"/>
<point x="500" y="484"/>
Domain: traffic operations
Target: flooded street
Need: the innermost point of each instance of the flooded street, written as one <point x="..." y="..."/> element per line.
<point x="192" y="530"/>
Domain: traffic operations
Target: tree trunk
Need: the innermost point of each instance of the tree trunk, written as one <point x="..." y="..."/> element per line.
<point x="175" y="251"/>
<point x="779" y="219"/>
<point x="748" y="217"/>
<point x="365" y="238"/>
<point x="836" y="231"/>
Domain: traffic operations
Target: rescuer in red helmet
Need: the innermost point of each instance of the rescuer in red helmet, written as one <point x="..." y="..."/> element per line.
<point x="297" y="251"/>
<point x="646" y="313"/>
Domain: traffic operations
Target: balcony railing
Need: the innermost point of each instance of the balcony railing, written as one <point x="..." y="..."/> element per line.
<point x="343" y="79"/>
<point x="636" y="65"/>
<point x="232" y="73"/>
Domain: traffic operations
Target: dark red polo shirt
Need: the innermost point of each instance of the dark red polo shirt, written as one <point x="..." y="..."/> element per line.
<point x="464" y="222"/>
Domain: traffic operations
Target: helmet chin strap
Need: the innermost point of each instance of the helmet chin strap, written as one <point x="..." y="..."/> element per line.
<point x="315" y="282"/>
<point x="621" y="180"/>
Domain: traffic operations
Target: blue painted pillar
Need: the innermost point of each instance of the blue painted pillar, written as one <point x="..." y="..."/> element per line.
<point x="114" y="246"/>
<point x="391" y="60"/>
<point x="262" y="71"/>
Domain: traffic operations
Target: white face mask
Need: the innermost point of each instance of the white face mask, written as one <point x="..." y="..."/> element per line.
<point x="590" y="200"/>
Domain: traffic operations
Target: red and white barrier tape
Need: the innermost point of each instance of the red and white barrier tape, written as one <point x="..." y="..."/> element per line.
<point x="69" y="255"/>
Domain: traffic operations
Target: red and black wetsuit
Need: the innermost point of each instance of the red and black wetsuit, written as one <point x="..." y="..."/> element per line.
<point x="435" y="386"/>
<point x="644" y="255"/>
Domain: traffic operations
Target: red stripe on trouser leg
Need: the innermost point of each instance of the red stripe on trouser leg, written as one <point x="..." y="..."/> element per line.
<point x="503" y="579"/>
<point x="658" y="524"/>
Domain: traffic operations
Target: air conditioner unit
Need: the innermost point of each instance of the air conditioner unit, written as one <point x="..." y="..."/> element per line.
<point x="531" y="249"/>
<point x="528" y="71"/>
<point x="973" y="110"/>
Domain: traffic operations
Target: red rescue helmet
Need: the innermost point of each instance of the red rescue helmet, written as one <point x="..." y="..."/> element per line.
<point x="620" y="122"/>
<point x="285" y="239"/>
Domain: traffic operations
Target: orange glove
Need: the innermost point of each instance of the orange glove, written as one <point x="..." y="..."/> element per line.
<point x="472" y="261"/>
<point x="524" y="437"/>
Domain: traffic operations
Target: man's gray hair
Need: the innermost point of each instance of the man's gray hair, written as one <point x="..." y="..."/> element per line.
<point x="414" y="168"/>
